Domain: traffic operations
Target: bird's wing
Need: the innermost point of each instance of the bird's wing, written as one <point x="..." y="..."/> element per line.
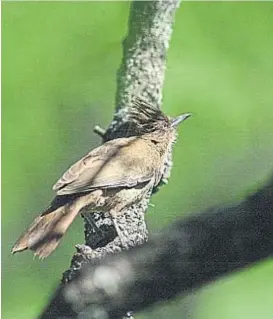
<point x="109" y="166"/>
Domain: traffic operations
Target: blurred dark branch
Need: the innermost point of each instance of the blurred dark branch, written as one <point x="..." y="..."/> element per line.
<point x="141" y="74"/>
<point x="185" y="256"/>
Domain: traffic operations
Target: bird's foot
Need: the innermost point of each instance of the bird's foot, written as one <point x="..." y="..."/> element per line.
<point x="122" y="237"/>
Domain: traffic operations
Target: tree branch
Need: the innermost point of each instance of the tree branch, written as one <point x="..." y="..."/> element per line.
<point x="185" y="256"/>
<point x="144" y="57"/>
<point x="141" y="74"/>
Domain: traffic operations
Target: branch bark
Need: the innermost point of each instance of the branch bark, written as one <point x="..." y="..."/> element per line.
<point x="141" y="74"/>
<point x="187" y="255"/>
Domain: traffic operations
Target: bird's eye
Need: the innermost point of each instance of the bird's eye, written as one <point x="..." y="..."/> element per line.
<point x="154" y="142"/>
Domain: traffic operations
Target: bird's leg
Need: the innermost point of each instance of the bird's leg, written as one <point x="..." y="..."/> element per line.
<point x="133" y="196"/>
<point x="118" y="230"/>
<point x="89" y="219"/>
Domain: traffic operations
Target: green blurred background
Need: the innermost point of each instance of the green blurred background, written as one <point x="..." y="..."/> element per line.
<point x="59" y="62"/>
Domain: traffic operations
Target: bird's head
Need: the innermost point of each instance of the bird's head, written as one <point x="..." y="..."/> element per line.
<point x="151" y="121"/>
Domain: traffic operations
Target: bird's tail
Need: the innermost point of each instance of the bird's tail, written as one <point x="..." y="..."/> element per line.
<point x="46" y="231"/>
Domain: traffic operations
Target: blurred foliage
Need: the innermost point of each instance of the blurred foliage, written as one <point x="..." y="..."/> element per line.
<point x="59" y="63"/>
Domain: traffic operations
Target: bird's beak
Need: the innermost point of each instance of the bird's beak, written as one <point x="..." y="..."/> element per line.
<point x="180" y="119"/>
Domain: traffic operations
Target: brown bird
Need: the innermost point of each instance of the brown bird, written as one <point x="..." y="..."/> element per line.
<point x="110" y="178"/>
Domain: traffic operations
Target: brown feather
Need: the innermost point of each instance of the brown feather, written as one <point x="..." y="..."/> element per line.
<point x="109" y="166"/>
<point x="45" y="233"/>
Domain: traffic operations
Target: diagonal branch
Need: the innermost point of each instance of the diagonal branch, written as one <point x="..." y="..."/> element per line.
<point x="185" y="256"/>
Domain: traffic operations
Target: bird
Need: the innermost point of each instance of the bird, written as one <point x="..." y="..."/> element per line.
<point x="109" y="178"/>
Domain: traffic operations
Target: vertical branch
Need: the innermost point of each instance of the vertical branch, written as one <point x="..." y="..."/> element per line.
<point x="141" y="74"/>
<point x="145" y="47"/>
